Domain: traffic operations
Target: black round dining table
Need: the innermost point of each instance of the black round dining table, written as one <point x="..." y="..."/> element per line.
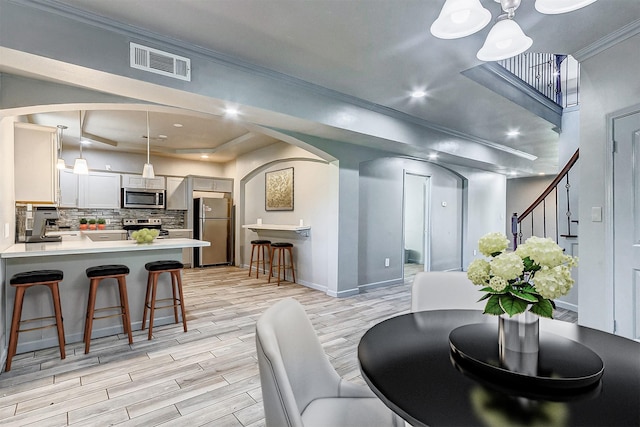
<point x="408" y="363"/>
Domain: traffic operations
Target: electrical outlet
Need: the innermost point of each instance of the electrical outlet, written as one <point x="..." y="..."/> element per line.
<point x="107" y="221"/>
<point x="386" y="262"/>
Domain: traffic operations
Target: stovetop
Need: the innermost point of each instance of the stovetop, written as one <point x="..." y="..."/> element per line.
<point x="138" y="224"/>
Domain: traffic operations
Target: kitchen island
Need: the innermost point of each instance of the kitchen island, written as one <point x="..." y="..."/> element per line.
<point x="73" y="257"/>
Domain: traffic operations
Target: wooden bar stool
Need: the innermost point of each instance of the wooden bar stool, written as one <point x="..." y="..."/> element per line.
<point x="156" y="268"/>
<point x="259" y="245"/>
<point x="281" y="247"/>
<point x="22" y="282"/>
<point x="97" y="274"/>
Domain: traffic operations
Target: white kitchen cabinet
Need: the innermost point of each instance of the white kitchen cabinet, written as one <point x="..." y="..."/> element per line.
<point x="213" y="184"/>
<point x="187" y="253"/>
<point x="35" y="153"/>
<point x="95" y="190"/>
<point x="137" y="181"/>
<point x="97" y="236"/>
<point x="177" y="193"/>
<point x="99" y="190"/>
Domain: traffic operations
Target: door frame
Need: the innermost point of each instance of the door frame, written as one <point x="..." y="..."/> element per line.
<point x="610" y="243"/>
<point x="427" y="218"/>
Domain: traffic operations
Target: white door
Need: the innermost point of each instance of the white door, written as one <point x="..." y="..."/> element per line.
<point x="626" y="230"/>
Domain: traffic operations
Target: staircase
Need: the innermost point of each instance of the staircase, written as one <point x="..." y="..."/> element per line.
<point x="543" y="221"/>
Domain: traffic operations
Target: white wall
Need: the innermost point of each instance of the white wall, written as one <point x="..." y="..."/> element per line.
<point x="485" y="196"/>
<point x="312" y="205"/>
<point x="609" y="83"/>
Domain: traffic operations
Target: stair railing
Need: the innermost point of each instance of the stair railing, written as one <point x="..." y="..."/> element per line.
<point x="551" y="190"/>
<point x="555" y="76"/>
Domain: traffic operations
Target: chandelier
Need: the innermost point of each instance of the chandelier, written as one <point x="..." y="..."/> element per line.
<point x="461" y="18"/>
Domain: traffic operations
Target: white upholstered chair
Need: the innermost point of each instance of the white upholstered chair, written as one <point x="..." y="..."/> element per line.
<point x="439" y="290"/>
<point x="299" y="385"/>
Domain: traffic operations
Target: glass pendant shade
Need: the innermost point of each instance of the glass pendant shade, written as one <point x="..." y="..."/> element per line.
<point x="553" y="7"/>
<point x="505" y="40"/>
<point x="80" y="167"/>
<point x="460" y="18"/>
<point x="60" y="164"/>
<point x="147" y="171"/>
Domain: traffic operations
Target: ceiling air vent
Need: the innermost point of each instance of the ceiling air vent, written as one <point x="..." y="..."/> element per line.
<point x="159" y="62"/>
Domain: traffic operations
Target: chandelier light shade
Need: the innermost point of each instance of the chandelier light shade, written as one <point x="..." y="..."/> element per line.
<point x="460" y="18"/>
<point x="147" y="170"/>
<point x="553" y="7"/>
<point x="80" y="166"/>
<point x="506" y="39"/>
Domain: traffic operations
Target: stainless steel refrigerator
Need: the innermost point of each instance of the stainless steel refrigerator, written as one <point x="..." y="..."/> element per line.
<point x="213" y="223"/>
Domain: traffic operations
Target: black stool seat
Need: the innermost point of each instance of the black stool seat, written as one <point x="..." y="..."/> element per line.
<point x="107" y="270"/>
<point x="282" y="245"/>
<point x="36" y="276"/>
<point x="163" y="265"/>
<point x="261" y="242"/>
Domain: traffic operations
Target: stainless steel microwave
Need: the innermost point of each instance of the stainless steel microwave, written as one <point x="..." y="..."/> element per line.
<point x="143" y="199"/>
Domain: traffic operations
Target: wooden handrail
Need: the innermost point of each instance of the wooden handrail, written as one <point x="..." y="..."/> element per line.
<point x="565" y="170"/>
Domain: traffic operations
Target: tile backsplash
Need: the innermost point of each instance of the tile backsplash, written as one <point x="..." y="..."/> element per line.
<point x="70" y="217"/>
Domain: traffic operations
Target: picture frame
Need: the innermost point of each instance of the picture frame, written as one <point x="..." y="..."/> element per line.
<point x="278" y="190"/>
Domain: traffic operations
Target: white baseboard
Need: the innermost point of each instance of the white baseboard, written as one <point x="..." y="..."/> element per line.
<point x="566" y="305"/>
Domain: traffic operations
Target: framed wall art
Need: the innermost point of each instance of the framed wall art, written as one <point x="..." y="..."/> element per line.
<point x="278" y="190"/>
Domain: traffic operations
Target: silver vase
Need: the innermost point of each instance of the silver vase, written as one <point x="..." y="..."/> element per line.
<point x="518" y="342"/>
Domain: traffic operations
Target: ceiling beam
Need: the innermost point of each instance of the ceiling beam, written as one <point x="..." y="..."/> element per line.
<point x="229" y="144"/>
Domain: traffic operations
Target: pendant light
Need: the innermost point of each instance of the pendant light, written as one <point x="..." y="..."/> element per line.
<point x="80" y="166"/>
<point x="460" y="18"/>
<point x="60" y="164"/>
<point x="553" y="7"/>
<point x="505" y="40"/>
<point x="147" y="171"/>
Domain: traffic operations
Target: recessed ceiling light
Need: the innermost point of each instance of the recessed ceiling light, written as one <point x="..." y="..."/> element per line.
<point x="231" y="111"/>
<point x="162" y="136"/>
<point x="177" y="125"/>
<point x="513" y="133"/>
<point x="513" y="173"/>
<point x="433" y="156"/>
<point x="204" y="156"/>
<point x="418" y="93"/>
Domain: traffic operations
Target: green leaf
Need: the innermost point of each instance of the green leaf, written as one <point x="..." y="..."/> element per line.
<point x="484" y="297"/>
<point x="544" y="308"/>
<point x="493" y="306"/>
<point x="524" y="296"/>
<point x="490" y="290"/>
<point x="529" y="289"/>
<point x="512" y="305"/>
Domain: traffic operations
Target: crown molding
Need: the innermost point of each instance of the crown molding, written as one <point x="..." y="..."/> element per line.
<point x="629" y="30"/>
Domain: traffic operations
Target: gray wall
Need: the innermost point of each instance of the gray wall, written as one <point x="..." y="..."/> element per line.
<point x="609" y="83"/>
<point x="381" y="218"/>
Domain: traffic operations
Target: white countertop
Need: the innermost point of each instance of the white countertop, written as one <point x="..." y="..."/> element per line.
<point x="86" y="246"/>
<point x="300" y="229"/>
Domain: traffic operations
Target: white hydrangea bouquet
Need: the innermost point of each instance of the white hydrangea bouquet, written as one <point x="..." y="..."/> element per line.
<point x="530" y="277"/>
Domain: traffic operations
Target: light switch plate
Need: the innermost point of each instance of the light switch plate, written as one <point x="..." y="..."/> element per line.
<point x="6" y="230"/>
<point x="596" y="214"/>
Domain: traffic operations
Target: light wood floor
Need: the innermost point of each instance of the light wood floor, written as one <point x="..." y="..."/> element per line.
<point x="207" y="376"/>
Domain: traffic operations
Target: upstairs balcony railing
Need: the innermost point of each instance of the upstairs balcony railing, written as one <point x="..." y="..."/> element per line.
<point x="555" y="76"/>
<point x="542" y="218"/>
